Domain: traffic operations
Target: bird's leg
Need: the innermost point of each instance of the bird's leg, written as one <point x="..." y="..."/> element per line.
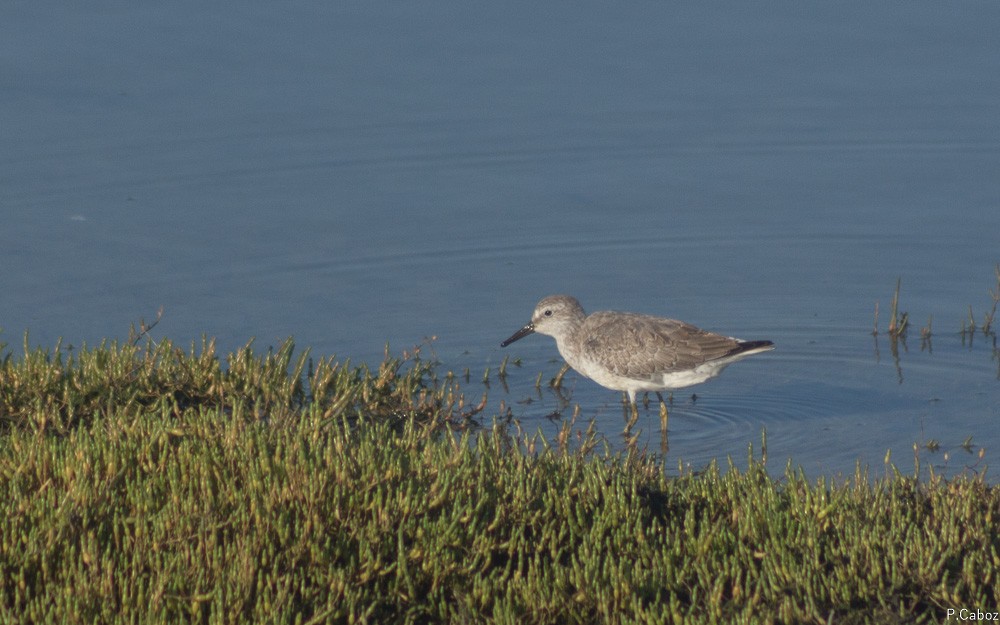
<point x="629" y="408"/>
<point x="632" y="420"/>
<point x="664" y="415"/>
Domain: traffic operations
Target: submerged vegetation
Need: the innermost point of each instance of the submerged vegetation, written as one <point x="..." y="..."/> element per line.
<point x="899" y="321"/>
<point x="899" y="324"/>
<point x="154" y="484"/>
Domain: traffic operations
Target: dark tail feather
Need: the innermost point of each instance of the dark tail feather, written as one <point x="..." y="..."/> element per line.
<point x="747" y="346"/>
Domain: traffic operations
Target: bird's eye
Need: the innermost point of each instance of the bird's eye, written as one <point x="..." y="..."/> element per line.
<point x="548" y="313"/>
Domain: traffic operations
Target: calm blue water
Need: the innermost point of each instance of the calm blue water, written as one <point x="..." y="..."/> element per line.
<point x="356" y="174"/>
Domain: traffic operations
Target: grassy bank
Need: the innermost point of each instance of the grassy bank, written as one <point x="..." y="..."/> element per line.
<point x="158" y="485"/>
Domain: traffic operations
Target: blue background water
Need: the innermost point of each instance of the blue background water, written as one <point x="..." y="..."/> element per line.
<point x="360" y="173"/>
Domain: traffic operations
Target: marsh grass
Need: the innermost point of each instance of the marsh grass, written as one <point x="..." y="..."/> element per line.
<point x="154" y="484"/>
<point x="59" y="390"/>
<point x="969" y="325"/>
<point x="898" y="321"/>
<point x="995" y="297"/>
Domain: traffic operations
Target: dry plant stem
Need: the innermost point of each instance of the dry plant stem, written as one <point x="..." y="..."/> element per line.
<point x="557" y="381"/>
<point x="134" y="337"/>
<point x="897" y="322"/>
<point x="995" y="296"/>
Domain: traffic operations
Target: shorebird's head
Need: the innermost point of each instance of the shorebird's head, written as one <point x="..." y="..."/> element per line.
<point x="555" y="315"/>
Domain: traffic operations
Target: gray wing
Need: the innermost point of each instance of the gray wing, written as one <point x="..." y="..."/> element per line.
<point x="639" y="346"/>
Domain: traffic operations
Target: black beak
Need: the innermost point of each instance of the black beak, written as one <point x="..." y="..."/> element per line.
<point x="520" y="334"/>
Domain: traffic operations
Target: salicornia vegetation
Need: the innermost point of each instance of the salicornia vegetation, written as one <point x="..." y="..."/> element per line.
<point x="154" y="484"/>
